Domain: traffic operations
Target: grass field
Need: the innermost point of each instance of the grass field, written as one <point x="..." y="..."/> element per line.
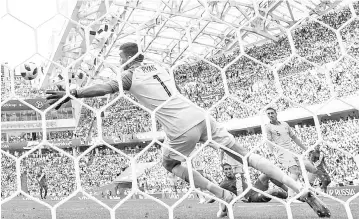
<point x="144" y="208"/>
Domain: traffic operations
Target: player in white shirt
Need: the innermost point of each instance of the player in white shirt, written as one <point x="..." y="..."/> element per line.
<point x="183" y="122"/>
<point x="281" y="134"/>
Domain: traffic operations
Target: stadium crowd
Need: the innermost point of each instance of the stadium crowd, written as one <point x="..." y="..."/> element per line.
<point x="253" y="83"/>
<point x="101" y="168"/>
<point x="37" y="136"/>
<point x="98" y="169"/>
<point x="122" y="117"/>
<point x="8" y="176"/>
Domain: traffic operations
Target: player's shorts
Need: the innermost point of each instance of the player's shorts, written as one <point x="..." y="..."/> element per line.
<point x="186" y="143"/>
<point x="287" y="159"/>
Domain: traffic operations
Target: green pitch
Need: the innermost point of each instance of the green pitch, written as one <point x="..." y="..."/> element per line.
<point x="144" y="208"/>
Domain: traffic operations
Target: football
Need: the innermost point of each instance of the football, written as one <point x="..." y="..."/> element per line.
<point x="29" y="70"/>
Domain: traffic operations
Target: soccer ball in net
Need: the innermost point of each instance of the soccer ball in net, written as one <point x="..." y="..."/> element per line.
<point x="29" y="70"/>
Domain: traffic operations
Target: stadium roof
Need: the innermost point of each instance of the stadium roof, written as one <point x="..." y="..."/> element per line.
<point x="169" y="30"/>
<point x="212" y="26"/>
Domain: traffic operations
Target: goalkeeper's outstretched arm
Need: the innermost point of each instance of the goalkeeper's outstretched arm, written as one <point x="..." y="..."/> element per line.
<point x="91" y="91"/>
<point x="98" y="90"/>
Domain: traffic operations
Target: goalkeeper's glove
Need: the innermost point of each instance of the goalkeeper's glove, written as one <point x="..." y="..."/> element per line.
<point x="56" y="95"/>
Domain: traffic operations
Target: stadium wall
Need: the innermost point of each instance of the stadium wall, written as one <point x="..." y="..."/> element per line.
<point x="39" y="103"/>
<point x="343" y="190"/>
<point x="35" y="125"/>
<point x="122" y="140"/>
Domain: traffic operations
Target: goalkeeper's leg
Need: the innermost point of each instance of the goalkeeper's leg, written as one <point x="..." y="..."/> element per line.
<point x="175" y="166"/>
<point x="265" y="166"/>
<point x="185" y="144"/>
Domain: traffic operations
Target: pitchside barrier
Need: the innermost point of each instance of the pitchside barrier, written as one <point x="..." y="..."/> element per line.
<point x="340" y="191"/>
<point x="343" y="190"/>
<point x="136" y="196"/>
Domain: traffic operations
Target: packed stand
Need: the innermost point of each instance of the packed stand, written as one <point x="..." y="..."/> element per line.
<point x="99" y="169"/>
<point x="37" y="136"/>
<point x="122" y="117"/>
<point x="254" y="84"/>
<point x="59" y="170"/>
<point x="8" y="176"/>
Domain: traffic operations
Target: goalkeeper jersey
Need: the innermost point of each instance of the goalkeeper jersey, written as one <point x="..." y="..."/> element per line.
<point x="152" y="86"/>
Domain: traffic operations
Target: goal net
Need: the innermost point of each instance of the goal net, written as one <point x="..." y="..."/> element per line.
<point x="232" y="59"/>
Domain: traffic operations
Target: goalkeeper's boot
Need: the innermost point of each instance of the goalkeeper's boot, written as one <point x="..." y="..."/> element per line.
<point x="316" y="204"/>
<point x="227" y="197"/>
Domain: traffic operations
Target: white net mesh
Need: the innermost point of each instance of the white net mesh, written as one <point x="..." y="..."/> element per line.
<point x="299" y="57"/>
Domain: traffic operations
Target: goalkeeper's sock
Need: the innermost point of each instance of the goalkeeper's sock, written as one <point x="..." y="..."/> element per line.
<point x="199" y="181"/>
<point x="279" y="184"/>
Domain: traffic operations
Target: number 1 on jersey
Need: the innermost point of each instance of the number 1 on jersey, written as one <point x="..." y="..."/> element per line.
<point x="163" y="84"/>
